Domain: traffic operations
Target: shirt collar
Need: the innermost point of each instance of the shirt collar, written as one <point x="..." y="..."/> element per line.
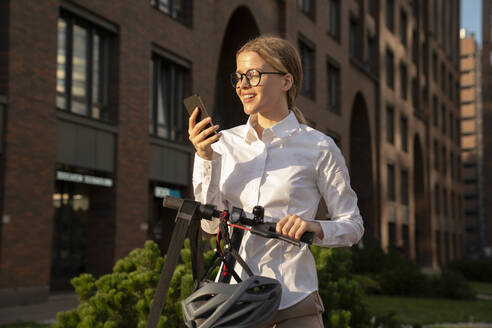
<point x="282" y="129"/>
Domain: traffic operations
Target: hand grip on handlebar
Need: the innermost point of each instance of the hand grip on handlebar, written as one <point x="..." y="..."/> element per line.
<point x="172" y="202"/>
<point x="268" y="230"/>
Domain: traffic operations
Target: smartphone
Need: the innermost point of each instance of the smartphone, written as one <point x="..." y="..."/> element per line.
<point x="195" y="101"/>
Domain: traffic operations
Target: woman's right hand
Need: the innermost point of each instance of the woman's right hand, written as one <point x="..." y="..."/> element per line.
<point x="202" y="140"/>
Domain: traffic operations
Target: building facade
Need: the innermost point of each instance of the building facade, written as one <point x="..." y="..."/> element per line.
<point x="94" y="130"/>
<point x="487" y="120"/>
<point x="471" y="142"/>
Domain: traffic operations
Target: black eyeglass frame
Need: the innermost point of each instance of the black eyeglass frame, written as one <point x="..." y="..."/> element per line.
<point x="234" y="76"/>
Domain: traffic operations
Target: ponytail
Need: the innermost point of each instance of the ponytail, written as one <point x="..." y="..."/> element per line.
<point x="299" y="115"/>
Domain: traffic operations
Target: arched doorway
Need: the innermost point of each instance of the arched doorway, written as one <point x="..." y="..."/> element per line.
<point x="422" y="217"/>
<point x="228" y="111"/>
<point x="361" y="170"/>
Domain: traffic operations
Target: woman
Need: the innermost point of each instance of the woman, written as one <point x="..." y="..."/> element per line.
<point x="278" y="162"/>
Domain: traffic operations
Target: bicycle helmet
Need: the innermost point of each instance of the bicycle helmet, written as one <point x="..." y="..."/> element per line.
<point x="251" y="302"/>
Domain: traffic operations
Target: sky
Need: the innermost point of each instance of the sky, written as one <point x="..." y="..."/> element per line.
<point x="471" y="17"/>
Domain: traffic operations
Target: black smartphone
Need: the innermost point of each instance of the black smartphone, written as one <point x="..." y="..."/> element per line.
<point x="195" y="101"/>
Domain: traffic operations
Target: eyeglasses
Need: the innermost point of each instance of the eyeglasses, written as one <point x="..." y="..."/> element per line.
<point x="253" y="77"/>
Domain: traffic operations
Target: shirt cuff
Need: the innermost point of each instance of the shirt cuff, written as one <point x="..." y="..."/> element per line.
<point x="202" y="170"/>
<point x="326" y="234"/>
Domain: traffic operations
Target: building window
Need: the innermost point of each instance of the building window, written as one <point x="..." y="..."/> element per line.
<point x="404" y="133"/>
<point x="457" y="93"/>
<point x="443" y="77"/>
<point x="458" y="168"/>
<point x="333" y="18"/>
<point x="436" y="155"/>
<point x="308" y="69"/>
<point x="391" y="183"/>
<point x="451" y="164"/>
<point x="434" y="66"/>
<point x="445" y="202"/>
<point x="443" y="15"/>
<point x="354" y="42"/>
<point x="490" y="59"/>
<point x="451" y="125"/>
<point x="390" y="125"/>
<point x="437" y="199"/>
<point x="307" y="7"/>
<point x="403" y="27"/>
<point x="404" y="187"/>
<point x="444" y="161"/>
<point x="177" y="9"/>
<point x="333" y="88"/>
<point x="415" y="46"/>
<point x="83" y="69"/>
<point x="371" y="54"/>
<point x="458" y="131"/>
<point x="403" y="81"/>
<point x="390" y="12"/>
<point x="169" y="83"/>
<point x="443" y="119"/>
<point x="390" y="74"/>
<point x="435" y="111"/>
<point x="373" y="7"/>
<point x="415" y="93"/>
<point x="425" y="57"/>
<point x="450" y="85"/>
<point x="436" y="17"/>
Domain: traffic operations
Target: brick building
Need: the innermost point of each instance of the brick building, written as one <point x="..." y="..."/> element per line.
<point x="471" y="142"/>
<point x="94" y="130"/>
<point x="487" y="120"/>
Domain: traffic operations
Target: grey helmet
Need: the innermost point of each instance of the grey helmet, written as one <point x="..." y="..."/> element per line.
<point x="249" y="303"/>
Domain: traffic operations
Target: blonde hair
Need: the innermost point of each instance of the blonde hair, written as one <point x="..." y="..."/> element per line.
<point x="282" y="56"/>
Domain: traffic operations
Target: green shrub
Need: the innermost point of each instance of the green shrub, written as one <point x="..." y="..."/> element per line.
<point x="368" y="283"/>
<point x="450" y="284"/>
<point x="386" y="321"/>
<point x="391" y="274"/>
<point x="123" y="298"/>
<point x="404" y="279"/>
<point x="374" y="261"/>
<point x="341" y="293"/>
<point x="475" y="270"/>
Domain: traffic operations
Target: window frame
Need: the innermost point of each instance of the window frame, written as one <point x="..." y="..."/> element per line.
<point x="404" y="133"/>
<point x="186" y="19"/>
<point x="333" y="67"/>
<point x="312" y="8"/>
<point x="105" y="68"/>
<point x="390" y="17"/>
<point x="305" y="44"/>
<point x="390" y="183"/>
<point x="390" y="124"/>
<point x="336" y="26"/>
<point x="390" y="70"/>
<point x="404" y="187"/>
<point x="172" y="132"/>
<point x="403" y="81"/>
<point x="403" y="27"/>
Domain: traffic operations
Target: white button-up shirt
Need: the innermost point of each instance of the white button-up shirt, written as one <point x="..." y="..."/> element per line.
<point x="286" y="172"/>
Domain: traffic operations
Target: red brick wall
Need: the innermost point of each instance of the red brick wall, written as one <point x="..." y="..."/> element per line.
<point x="29" y="145"/>
<point x="4" y="31"/>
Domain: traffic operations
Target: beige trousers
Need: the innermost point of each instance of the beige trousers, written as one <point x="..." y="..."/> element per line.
<point x="306" y="313"/>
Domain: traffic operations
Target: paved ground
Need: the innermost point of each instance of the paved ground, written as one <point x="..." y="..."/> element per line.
<point x="41" y="313"/>
<point x="46" y="312"/>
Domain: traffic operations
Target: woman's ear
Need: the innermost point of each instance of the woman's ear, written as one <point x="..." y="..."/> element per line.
<point x="287" y="82"/>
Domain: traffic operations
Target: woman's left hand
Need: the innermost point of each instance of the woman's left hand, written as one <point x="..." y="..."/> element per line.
<point x="294" y="226"/>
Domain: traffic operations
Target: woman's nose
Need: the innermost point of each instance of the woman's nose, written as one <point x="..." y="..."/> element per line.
<point x="244" y="83"/>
